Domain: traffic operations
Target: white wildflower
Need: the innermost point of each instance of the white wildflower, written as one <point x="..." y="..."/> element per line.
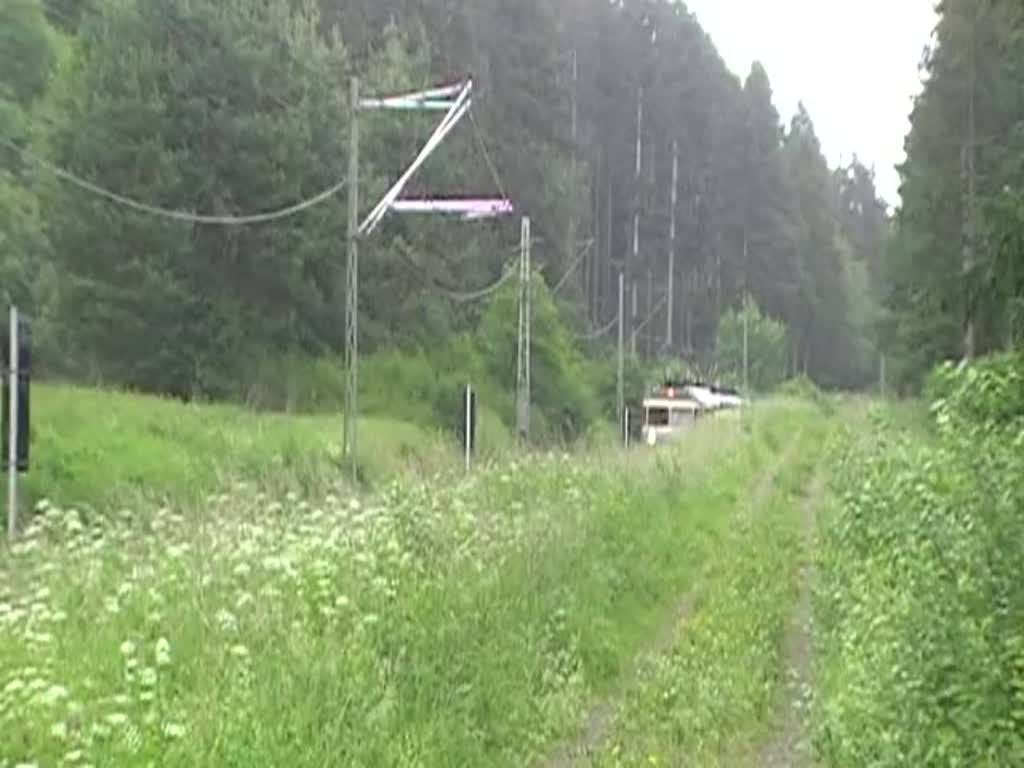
<point x="127" y="648"/>
<point x="73" y="756"/>
<point x="54" y="694"/>
<point x="148" y="677"/>
<point x="15" y="686"/>
<point x="59" y="731"/>
<point x="239" y="651"/>
<point x="227" y="620"/>
<point x="117" y="719"/>
<point x="173" y="730"/>
<point x="163" y="652"/>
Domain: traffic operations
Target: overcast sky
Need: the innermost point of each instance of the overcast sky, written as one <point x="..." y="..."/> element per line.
<point x="854" y="64"/>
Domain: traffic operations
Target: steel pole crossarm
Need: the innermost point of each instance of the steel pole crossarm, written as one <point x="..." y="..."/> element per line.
<point x="462" y="106"/>
<point x="408" y="105"/>
<point x="468" y="208"/>
<point x="434" y="98"/>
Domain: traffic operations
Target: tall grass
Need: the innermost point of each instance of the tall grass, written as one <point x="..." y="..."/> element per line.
<point x="706" y="699"/>
<point x="440" y="623"/>
<point x="93" y="449"/>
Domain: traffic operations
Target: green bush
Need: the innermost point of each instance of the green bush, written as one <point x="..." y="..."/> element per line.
<point x="921" y="605"/>
<point x="766" y="347"/>
<point x="986" y="394"/>
<point x="561" y="387"/>
<point x="802" y="387"/>
<point x="295" y="383"/>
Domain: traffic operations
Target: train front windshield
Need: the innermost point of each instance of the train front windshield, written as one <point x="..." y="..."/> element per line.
<point x="657" y="417"/>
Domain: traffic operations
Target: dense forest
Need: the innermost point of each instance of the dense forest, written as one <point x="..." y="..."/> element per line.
<point x="234" y="107"/>
<point x="953" y="276"/>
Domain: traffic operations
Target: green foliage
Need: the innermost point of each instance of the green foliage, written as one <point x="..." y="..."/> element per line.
<point x="954" y="274"/>
<point x="241" y="126"/>
<point x="766" y="347"/>
<point x="801" y="387"/>
<point x="294" y="383"/>
<point x="920" y="604"/>
<point x="99" y="450"/>
<point x="454" y="622"/>
<point x="231" y="107"/>
<point x="988" y="394"/>
<point x="560" y="389"/>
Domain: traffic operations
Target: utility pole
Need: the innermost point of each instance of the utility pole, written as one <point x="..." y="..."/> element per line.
<point x="620" y="386"/>
<point x="523" y="344"/>
<point x="669" y="325"/>
<point x="746" y="323"/>
<point x="632" y="320"/>
<point x="352" y="289"/>
<point x="12" y="433"/>
<point x="634" y="261"/>
<point x="571" y="248"/>
<point x="968" y="173"/>
<point x="649" y="336"/>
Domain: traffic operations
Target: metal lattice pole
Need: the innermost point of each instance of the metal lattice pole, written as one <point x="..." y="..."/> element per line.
<point x="620" y="385"/>
<point x="12" y="436"/>
<point x="670" y="327"/>
<point x="523" y="336"/>
<point x="352" y="291"/>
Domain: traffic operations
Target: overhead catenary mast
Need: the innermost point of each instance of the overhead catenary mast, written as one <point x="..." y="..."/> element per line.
<point x="455" y="101"/>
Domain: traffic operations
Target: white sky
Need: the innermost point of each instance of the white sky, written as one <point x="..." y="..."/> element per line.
<point x="854" y="64"/>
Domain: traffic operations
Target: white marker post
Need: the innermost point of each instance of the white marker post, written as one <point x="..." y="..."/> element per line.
<point x="469" y="426"/>
<point x="12" y="432"/>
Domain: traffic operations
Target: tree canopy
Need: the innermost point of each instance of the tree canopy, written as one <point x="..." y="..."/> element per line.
<point x="227" y="107"/>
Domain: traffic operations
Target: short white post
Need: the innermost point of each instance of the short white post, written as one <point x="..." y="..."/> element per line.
<point x="12" y="432"/>
<point x="469" y="425"/>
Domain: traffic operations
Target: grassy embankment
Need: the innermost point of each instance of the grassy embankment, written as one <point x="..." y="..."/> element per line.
<point x="441" y="622"/>
<point x="101" y="450"/>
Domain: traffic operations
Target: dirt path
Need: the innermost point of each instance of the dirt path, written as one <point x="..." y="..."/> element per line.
<point x="599" y="718"/>
<point x="790" y="745"/>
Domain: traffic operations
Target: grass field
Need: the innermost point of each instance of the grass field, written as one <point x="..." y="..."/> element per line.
<point x="97" y="450"/>
<point x="467" y="621"/>
<point x="204" y="590"/>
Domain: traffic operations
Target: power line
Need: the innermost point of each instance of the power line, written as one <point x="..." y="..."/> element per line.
<point x="458" y="297"/>
<point x="575" y="265"/>
<point x="599" y="333"/>
<point x="466" y="298"/>
<point x="487" y="155"/>
<point x="168" y="213"/>
<point x="650" y="316"/>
